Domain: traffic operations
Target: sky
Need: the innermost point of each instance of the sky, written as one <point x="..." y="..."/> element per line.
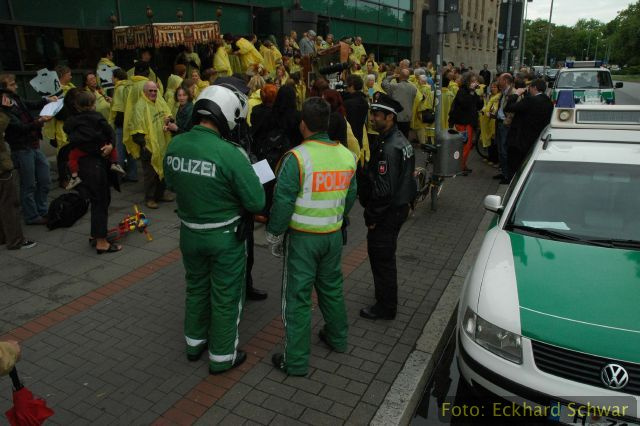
<point x="568" y="12"/>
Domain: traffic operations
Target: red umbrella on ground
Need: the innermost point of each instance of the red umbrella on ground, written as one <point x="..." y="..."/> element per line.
<point x="27" y="410"/>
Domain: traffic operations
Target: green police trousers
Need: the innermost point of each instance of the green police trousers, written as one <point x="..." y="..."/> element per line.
<point x="311" y="259"/>
<point x="214" y="261"/>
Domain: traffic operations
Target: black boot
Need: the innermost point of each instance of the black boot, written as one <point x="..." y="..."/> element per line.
<point x="256" y="294"/>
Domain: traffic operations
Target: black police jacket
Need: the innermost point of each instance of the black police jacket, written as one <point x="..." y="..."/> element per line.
<point x="389" y="181"/>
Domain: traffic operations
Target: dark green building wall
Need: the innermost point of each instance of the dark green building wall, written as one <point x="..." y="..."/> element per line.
<point x="386" y="22"/>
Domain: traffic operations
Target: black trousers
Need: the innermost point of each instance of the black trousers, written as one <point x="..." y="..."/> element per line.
<point x="250" y="242"/>
<point x="95" y="186"/>
<point x="10" y="218"/>
<point x="382" y="242"/>
<point x="154" y="187"/>
<point x="515" y="159"/>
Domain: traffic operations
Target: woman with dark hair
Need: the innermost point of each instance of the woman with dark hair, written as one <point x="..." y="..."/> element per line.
<point x="464" y="113"/>
<point x="339" y="128"/>
<point x="103" y="103"/>
<point x="183" y="122"/>
<point x="89" y="131"/>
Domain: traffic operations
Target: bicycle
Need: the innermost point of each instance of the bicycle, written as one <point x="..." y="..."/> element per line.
<point x="429" y="184"/>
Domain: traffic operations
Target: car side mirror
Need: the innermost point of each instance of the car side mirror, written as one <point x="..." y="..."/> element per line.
<point x="619" y="85"/>
<point x="493" y="203"/>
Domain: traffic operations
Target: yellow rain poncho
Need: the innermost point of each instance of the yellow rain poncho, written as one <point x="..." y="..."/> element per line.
<point x="301" y="94"/>
<point x="453" y="88"/>
<point x="447" y="101"/>
<point x="249" y="55"/>
<point x="352" y="141"/>
<point x="269" y="59"/>
<point x="102" y="104"/>
<point x="148" y="118"/>
<point x="488" y="124"/>
<point x="119" y="102"/>
<point x="192" y="57"/>
<point x="135" y="93"/>
<point x="422" y="102"/>
<point x="173" y="83"/>
<point x="52" y="129"/>
<point x="221" y="62"/>
<point x="152" y="77"/>
<point x="200" y="86"/>
<point x="254" y="99"/>
<point x="358" y="52"/>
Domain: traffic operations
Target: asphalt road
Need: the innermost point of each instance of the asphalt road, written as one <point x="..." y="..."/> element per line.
<point x="629" y="94"/>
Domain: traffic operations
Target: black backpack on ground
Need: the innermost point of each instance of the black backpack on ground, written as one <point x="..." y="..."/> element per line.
<point x="65" y="210"/>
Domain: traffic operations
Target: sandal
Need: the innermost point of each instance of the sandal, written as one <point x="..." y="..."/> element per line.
<point x="113" y="248"/>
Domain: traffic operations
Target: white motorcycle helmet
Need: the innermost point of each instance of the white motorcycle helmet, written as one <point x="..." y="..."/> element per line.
<point x="225" y="105"/>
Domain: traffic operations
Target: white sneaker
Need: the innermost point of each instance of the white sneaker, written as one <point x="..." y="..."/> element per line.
<point x="116" y="168"/>
<point x="73" y="182"/>
<point x="27" y="244"/>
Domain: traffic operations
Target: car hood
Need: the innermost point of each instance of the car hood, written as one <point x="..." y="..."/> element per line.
<point x="577" y="296"/>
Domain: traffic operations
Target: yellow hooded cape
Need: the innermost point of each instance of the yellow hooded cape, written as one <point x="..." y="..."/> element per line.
<point x="249" y="55"/>
<point x="173" y="83"/>
<point x="221" y="62"/>
<point x="119" y="102"/>
<point x="488" y="124"/>
<point x="148" y="118"/>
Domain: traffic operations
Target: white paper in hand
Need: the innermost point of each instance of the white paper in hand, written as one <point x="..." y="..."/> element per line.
<point x="264" y="172"/>
<point x="105" y="74"/>
<point x="52" y="108"/>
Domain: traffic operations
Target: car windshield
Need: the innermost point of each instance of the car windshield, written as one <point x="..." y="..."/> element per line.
<point x="588" y="201"/>
<point x="584" y="80"/>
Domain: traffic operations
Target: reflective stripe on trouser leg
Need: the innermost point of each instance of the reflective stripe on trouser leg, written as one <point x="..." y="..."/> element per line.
<point x="329" y="288"/>
<point x="227" y="293"/>
<point x="198" y="277"/>
<point x="300" y="273"/>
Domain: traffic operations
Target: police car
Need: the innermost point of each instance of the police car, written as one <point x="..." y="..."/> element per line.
<point x="550" y="311"/>
<point x="583" y="77"/>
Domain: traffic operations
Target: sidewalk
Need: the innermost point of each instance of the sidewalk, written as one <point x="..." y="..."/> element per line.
<point x="103" y="340"/>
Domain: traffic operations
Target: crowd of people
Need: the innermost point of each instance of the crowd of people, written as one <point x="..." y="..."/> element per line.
<point x="197" y="136"/>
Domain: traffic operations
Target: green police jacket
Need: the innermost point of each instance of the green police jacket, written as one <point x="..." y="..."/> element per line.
<point x="288" y="188"/>
<point x="212" y="178"/>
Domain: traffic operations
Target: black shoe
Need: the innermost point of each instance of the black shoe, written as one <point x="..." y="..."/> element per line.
<point x="241" y="356"/>
<point x="499" y="176"/>
<point x="322" y="334"/>
<point x="373" y="312"/>
<point x="278" y="362"/>
<point x="196" y="357"/>
<point x="256" y="294"/>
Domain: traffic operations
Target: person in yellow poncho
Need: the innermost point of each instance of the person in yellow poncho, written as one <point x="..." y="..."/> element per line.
<point x="281" y="76"/>
<point x="116" y="120"/>
<point x="145" y="56"/>
<point x="200" y="84"/>
<point x="247" y="52"/>
<point x="488" y="116"/>
<point x="136" y="87"/>
<point x="296" y="65"/>
<point x="272" y="56"/>
<point x="52" y="129"/>
<point x="103" y="103"/>
<point x="453" y="83"/>
<point x="106" y="59"/>
<point x="447" y="101"/>
<point x="301" y="90"/>
<point x="358" y="49"/>
<point x="293" y="39"/>
<point x="149" y="141"/>
<point x="190" y="59"/>
<point x="174" y="81"/>
<point x="221" y="62"/>
<point x="255" y="84"/>
<point x="423" y="102"/>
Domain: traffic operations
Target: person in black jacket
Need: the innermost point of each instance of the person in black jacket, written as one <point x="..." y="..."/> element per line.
<point x="389" y="189"/>
<point x="356" y="106"/>
<point x="464" y="113"/>
<point x="89" y="133"/>
<point x="533" y="113"/>
<point x="23" y="136"/>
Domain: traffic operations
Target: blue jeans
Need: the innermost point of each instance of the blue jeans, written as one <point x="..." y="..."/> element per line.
<point x="35" y="181"/>
<point x="501" y="143"/>
<point x="125" y="159"/>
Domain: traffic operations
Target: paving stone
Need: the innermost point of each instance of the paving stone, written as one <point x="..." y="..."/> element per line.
<point x="338" y="395"/>
<point x="340" y="411"/>
<point x="234" y="395"/>
<point x="213" y="416"/>
<point x="362" y="414"/>
<point x="275" y="388"/>
<point x="317" y="418"/>
<point x="255" y="413"/>
<point x="313" y="401"/>
<point x="283" y="406"/>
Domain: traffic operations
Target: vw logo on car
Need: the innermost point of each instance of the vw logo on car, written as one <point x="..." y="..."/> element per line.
<point x="614" y="376"/>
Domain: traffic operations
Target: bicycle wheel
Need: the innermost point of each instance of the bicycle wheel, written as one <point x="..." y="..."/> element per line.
<point x="423" y="184"/>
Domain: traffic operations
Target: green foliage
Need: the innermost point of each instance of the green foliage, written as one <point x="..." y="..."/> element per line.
<point x="619" y="39"/>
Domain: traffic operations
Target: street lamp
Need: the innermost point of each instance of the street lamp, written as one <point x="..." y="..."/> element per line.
<point x="546" y="49"/>
<point x="524" y="22"/>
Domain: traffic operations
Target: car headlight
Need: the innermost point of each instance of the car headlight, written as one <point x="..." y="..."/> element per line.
<point x="499" y="341"/>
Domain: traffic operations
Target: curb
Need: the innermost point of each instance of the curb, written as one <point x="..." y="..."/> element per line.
<point x="406" y="391"/>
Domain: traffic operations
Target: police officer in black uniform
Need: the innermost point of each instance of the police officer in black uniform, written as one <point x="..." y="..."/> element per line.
<point x="389" y="188"/>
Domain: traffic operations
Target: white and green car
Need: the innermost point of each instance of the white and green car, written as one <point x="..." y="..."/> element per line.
<point x="550" y="311"/>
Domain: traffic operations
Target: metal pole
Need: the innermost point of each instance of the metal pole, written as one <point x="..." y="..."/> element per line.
<point x="439" y="57"/>
<point x="588" y="46"/>
<point x="546" y="49"/>
<point x="595" y="55"/>
<point x="523" y="31"/>
<point x="507" y="41"/>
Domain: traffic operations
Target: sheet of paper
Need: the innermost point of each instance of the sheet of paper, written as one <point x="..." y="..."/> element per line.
<point x="52" y="108"/>
<point x="547" y="225"/>
<point x="264" y="172"/>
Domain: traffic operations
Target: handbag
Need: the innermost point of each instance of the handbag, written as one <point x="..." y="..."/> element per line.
<point x="428" y="116"/>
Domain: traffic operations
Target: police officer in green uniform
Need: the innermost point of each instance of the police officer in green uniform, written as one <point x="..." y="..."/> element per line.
<point x="316" y="188"/>
<point x="215" y="184"/>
